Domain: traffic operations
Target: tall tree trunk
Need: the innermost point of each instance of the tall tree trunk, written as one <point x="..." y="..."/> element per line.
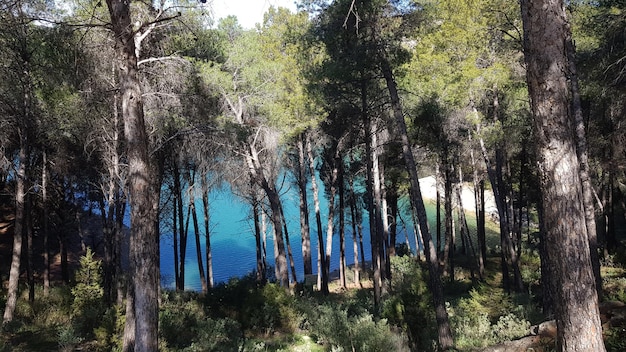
<point x="144" y="235"/>
<point x="438" y="209"/>
<point x="479" y="201"/>
<point x="448" y="248"/>
<point x="342" y="225"/>
<point x="46" y="225"/>
<point x="583" y="157"/>
<point x="175" y="240"/>
<point x="260" y="262"/>
<point x="30" y="273"/>
<point x="567" y="245"/>
<point x="355" y="235"/>
<point x="446" y="341"/>
<point x="182" y="251"/>
<point x="191" y="180"/>
<point x="465" y="228"/>
<point x="292" y="263"/>
<point x="384" y="217"/>
<point x="207" y="244"/>
<point x="330" y="224"/>
<point x="18" y="228"/>
<point x="322" y="282"/>
<point x="373" y="202"/>
<point x="256" y="172"/>
<point x="305" y="231"/>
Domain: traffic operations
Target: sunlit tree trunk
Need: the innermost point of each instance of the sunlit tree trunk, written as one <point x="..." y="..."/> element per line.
<point x="252" y="159"/>
<point x="322" y="282"/>
<point x="446" y="341"/>
<point x="191" y="181"/>
<point x="305" y="231"/>
<point x="342" y="225"/>
<point x="207" y="244"/>
<point x="144" y="234"/>
<point x="546" y="31"/>
<point x="18" y="228"/>
<point x="585" y="177"/>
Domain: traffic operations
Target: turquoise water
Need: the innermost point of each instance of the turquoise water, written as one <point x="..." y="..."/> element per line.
<point x="233" y="243"/>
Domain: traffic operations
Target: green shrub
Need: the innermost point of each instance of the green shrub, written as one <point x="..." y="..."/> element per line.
<point x="488" y="316"/>
<point x="259" y="309"/>
<point x="184" y="325"/>
<point x="409" y="303"/>
<point x="332" y="326"/>
<point x="88" y="305"/>
<point x="68" y="338"/>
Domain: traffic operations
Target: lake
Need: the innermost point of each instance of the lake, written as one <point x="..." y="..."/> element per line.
<point x="233" y="243"/>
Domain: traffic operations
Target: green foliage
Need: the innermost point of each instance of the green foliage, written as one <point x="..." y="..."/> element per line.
<point x="615" y="339"/>
<point x="184" y="325"/>
<point x="409" y="304"/>
<point x="88" y="305"/>
<point x="68" y="338"/>
<point x="488" y="316"/>
<point x="333" y="326"/>
<point x="259" y="309"/>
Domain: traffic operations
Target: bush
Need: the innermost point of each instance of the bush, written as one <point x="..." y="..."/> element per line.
<point x="88" y="305"/>
<point x="259" y="309"/>
<point x="409" y="303"/>
<point x="332" y="326"/>
<point x="185" y="326"/>
<point x="488" y="316"/>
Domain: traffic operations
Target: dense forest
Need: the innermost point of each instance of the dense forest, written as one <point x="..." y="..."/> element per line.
<point x="118" y="118"/>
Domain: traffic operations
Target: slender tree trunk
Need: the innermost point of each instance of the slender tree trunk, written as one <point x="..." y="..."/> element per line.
<point x="207" y="244"/>
<point x="322" y="282"/>
<point x="255" y="170"/>
<point x="446" y="341"/>
<point x="18" y="228"/>
<point x="305" y="231"/>
<point x="479" y="201"/>
<point x="330" y="224"/>
<point x="342" y="225"/>
<point x="30" y="273"/>
<point x="191" y="180"/>
<point x="175" y="241"/>
<point x="144" y="235"/>
<point x="46" y="225"/>
<point x="438" y="210"/>
<point x="465" y="228"/>
<point x="260" y="262"/>
<point x="182" y="251"/>
<point x="374" y="202"/>
<point x="292" y="264"/>
<point x="384" y="217"/>
<point x="567" y="245"/>
<point x="355" y="236"/>
<point x="448" y="248"/>
<point x="583" y="157"/>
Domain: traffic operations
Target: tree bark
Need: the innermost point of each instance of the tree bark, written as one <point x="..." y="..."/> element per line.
<point x="446" y="341"/>
<point x="583" y="157"/>
<point x="305" y="231"/>
<point x="46" y="225"/>
<point x="322" y="283"/>
<point x="20" y="214"/>
<point x="260" y="258"/>
<point x="191" y="181"/>
<point x="254" y="167"/>
<point x="143" y="218"/>
<point x="207" y="244"/>
<point x="576" y="310"/>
